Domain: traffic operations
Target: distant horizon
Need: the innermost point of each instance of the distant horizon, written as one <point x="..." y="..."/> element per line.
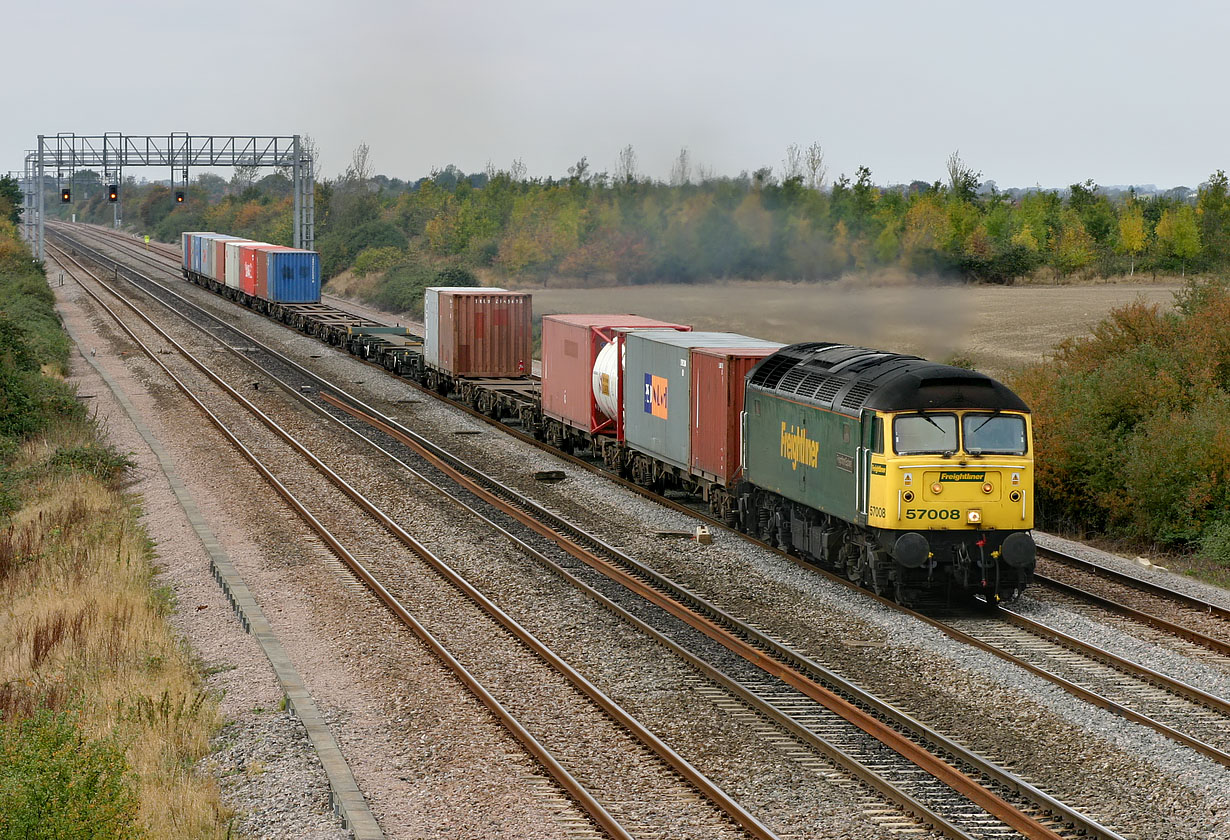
<point x="828" y="185"/>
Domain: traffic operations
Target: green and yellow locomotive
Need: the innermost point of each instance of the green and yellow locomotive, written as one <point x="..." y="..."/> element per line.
<point x="910" y="477"/>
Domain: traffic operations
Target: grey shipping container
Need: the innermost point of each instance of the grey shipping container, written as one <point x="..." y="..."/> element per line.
<point x="657" y="383"/>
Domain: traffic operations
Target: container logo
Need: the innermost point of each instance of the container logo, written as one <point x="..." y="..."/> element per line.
<point x="797" y="449"/>
<point x="655" y="395"/>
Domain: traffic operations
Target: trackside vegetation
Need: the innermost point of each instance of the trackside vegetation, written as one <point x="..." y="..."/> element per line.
<point x="1131" y="426"/>
<point x="102" y="713"/>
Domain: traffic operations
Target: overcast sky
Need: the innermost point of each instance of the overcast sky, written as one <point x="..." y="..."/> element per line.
<point x="1030" y="93"/>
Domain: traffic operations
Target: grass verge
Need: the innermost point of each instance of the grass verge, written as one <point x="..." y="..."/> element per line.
<point x="103" y="715"/>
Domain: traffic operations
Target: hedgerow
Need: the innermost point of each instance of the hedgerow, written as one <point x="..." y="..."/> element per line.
<point x="1130" y="424"/>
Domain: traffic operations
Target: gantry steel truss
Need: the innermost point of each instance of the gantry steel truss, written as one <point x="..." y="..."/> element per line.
<point x="110" y="153"/>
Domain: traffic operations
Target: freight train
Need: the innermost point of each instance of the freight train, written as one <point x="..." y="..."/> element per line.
<point x="912" y="478"/>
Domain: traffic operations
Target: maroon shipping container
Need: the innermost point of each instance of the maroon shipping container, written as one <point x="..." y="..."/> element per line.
<point x="483" y="332"/>
<point x="570" y="345"/>
<point x="717" y="404"/>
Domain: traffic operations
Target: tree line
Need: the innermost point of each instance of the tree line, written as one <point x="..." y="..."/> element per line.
<point x="601" y="228"/>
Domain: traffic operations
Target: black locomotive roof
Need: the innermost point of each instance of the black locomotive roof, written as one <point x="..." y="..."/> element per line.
<point x="847" y="379"/>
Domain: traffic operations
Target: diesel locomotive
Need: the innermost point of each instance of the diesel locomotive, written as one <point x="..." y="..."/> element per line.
<point x="912" y="478"/>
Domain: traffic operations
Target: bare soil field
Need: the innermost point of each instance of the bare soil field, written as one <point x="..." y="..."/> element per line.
<point x="1000" y="328"/>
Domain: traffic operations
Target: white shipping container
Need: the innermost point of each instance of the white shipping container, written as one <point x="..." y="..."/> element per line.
<point x="233" y="267"/>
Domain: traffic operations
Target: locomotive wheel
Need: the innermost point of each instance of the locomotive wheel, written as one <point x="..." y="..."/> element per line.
<point x="852" y="560"/>
<point x="878" y="569"/>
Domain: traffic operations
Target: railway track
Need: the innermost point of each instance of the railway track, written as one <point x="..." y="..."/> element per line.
<point x="656" y="772"/>
<point x="1205" y="624"/>
<point x="798" y="696"/>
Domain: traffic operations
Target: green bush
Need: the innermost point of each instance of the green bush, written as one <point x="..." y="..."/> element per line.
<point x="455" y="275"/>
<point x="102" y="462"/>
<point x="338" y="250"/>
<point x="55" y="783"/>
<point x="1215" y="542"/>
<point x="378" y="260"/>
<point x="402" y="288"/>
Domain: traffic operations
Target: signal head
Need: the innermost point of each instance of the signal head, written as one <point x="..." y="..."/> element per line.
<point x="113" y="192"/>
<point x="179" y="196"/>
<point x="66" y="195"/>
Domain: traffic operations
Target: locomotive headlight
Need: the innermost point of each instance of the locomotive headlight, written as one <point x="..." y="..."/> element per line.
<point x="973" y="516"/>
<point x="987" y="487"/>
<point x="937" y="488"/>
<point x="1015" y="495"/>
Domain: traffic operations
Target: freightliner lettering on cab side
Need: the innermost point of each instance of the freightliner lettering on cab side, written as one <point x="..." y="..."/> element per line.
<point x="797" y="449"/>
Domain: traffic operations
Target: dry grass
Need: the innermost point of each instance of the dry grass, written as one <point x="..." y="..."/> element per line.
<point x="1000" y="328"/>
<point x="84" y="629"/>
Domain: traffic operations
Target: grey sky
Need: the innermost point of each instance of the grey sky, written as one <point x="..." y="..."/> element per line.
<point x="1039" y="92"/>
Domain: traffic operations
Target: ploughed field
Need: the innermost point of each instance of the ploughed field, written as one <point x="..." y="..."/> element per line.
<point x="999" y="328"/>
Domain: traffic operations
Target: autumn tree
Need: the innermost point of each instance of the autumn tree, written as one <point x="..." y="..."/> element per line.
<point x="1177" y="235"/>
<point x="1131" y="233"/>
<point x="1213" y="216"/>
<point x="962" y="181"/>
<point x="681" y="169"/>
<point x="792" y="165"/>
<point x="1074" y="247"/>
<point x="816" y="171"/>
<point x="625" y="165"/>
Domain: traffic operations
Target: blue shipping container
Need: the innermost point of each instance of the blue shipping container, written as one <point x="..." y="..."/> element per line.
<point x="291" y="277"/>
<point x="192" y="249"/>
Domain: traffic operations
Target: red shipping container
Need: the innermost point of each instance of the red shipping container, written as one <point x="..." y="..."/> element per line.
<point x="262" y="270"/>
<point x="570" y="345"/>
<point x="249" y="257"/>
<point x="483" y="332"/>
<point x="717" y="403"/>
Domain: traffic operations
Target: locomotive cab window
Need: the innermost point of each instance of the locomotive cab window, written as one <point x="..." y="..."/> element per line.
<point x="877" y="436"/>
<point x="925" y="434"/>
<point x="999" y="434"/>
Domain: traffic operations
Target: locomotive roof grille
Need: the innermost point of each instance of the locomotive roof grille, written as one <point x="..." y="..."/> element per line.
<point x="770" y="371"/>
<point x="828" y="389"/>
<point x="877" y="380"/>
<point x="857" y="395"/>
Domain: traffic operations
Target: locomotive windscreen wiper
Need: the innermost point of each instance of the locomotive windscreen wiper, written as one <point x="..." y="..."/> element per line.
<point x="984" y="422"/>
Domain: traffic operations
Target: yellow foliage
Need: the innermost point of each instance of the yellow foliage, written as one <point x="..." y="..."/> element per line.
<point x="925" y="227"/>
<point x="1024" y="238"/>
<point x="754" y="221"/>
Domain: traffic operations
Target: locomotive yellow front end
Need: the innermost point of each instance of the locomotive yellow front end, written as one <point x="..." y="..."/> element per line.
<point x="953" y="490"/>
